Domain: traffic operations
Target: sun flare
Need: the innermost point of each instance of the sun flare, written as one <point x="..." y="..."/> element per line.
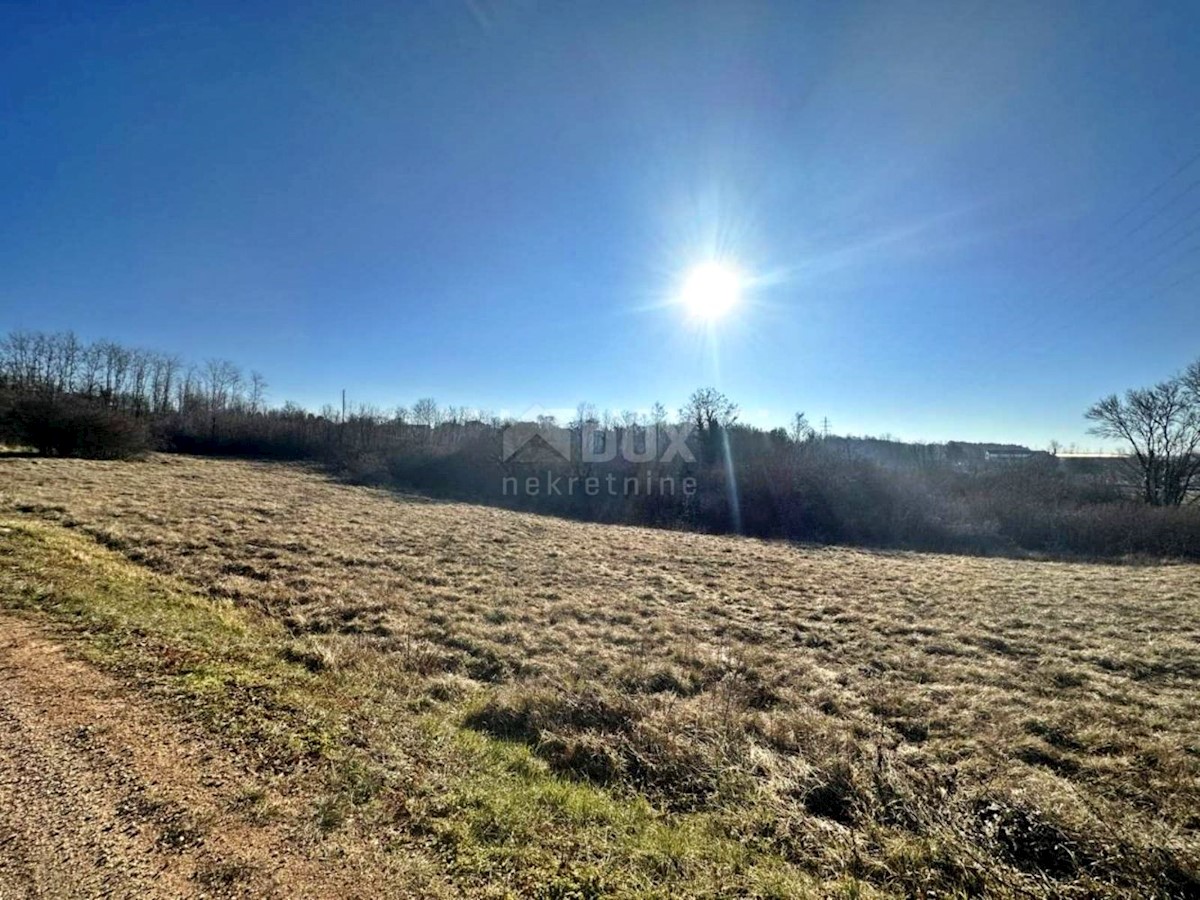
<point x="710" y="291"/>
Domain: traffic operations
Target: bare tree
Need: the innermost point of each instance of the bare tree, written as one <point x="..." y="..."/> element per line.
<point x="425" y="412"/>
<point x="1191" y="381"/>
<point x="43" y="353"/>
<point x="801" y="430"/>
<point x="710" y="413"/>
<point x="91" y="362"/>
<point x="258" y="392"/>
<point x="139" y="381"/>
<point x="114" y="363"/>
<point x="1161" y="426"/>
<point x="189" y="392"/>
<point x="67" y="361"/>
<point x="14" y="355"/>
<point x="222" y="381"/>
<point x="709" y="409"/>
<point x="585" y="413"/>
<point x="162" y="381"/>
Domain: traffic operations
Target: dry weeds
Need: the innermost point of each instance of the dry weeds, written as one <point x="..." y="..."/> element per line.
<point x="900" y="722"/>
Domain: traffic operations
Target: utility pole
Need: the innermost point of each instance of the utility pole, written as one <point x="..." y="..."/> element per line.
<point x="343" y="406"/>
<point x="825" y="427"/>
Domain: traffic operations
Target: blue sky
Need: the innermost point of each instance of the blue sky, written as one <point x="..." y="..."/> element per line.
<point x="947" y="213"/>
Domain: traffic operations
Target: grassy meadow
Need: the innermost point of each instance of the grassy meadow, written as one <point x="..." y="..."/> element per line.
<point x="539" y="707"/>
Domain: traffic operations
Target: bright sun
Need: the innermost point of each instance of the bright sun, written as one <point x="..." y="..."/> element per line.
<point x="710" y="291"/>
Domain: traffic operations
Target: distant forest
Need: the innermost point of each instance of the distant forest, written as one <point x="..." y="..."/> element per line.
<point x="62" y="396"/>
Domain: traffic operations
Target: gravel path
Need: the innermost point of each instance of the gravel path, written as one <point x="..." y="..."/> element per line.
<point x="102" y="796"/>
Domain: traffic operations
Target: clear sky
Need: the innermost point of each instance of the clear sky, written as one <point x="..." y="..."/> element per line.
<point x="956" y="220"/>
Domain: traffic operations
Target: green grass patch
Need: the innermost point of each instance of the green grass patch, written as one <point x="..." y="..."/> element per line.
<point x="372" y="757"/>
<point x="219" y="664"/>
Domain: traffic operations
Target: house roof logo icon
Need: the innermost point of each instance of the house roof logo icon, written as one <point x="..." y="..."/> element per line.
<point x="533" y="430"/>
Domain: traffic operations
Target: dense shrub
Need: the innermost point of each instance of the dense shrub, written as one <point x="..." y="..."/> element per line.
<point x="809" y="492"/>
<point x="71" y="426"/>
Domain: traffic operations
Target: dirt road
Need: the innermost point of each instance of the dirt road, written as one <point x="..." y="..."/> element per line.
<point x="102" y="796"/>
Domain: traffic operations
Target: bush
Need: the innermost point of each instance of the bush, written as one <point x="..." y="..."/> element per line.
<point x="71" y="426"/>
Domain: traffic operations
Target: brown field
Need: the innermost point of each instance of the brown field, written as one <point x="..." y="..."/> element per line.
<point x="683" y="714"/>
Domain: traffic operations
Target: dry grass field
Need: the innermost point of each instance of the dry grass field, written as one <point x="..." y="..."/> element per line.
<point x="561" y="709"/>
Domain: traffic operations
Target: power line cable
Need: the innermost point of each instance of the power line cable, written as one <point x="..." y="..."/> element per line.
<point x="1106" y="244"/>
<point x="1183" y="167"/>
<point x="1129" y="270"/>
<point x="1183" y="279"/>
<point x="1115" y="264"/>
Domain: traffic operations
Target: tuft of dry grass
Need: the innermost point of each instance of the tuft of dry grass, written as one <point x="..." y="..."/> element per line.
<point x="894" y="723"/>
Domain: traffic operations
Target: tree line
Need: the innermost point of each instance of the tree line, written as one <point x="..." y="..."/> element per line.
<point x="126" y="379"/>
<point x="62" y="396"/>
